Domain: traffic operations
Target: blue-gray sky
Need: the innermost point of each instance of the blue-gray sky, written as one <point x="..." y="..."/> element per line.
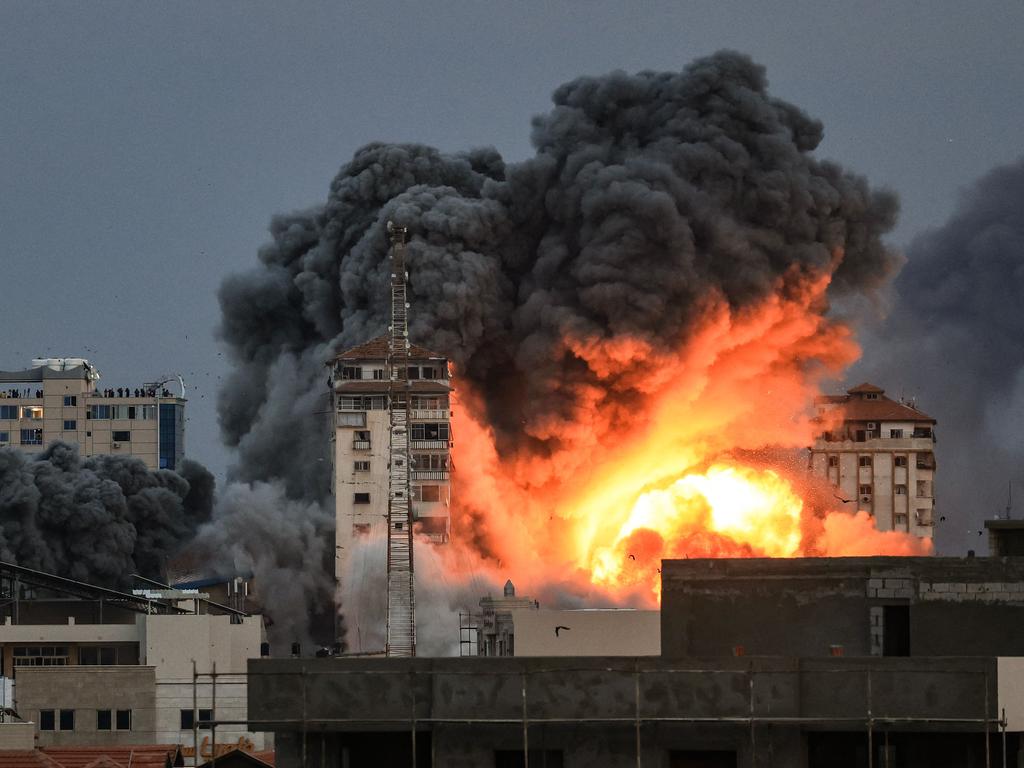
<point x="144" y="147"/>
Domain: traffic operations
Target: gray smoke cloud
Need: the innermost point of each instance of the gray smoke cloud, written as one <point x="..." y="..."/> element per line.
<point x="954" y="341"/>
<point x="97" y="520"/>
<point x="647" y="192"/>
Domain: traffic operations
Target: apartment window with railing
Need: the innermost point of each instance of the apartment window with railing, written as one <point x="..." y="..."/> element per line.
<point x="424" y="461"/>
<point x="426" y="493"/>
<point x="31" y="437"/>
<point x="33" y="412"/>
<point x="430" y="431"/>
<point x="40" y="656"/>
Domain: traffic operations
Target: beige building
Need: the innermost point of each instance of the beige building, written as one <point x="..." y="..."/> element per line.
<point x="360" y="478"/>
<point x="879" y="455"/>
<point x="91" y="666"/>
<point x="59" y="399"/>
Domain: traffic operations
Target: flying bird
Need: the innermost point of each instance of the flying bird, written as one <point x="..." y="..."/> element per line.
<point x="632" y="557"/>
<point x="559" y="628"/>
<point x="845" y="501"/>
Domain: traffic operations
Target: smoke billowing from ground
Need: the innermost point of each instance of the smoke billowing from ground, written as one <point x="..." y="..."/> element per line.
<point x="955" y="341"/>
<point x="98" y="520"/>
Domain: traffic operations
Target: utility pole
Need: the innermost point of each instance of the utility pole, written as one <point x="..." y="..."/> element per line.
<point x="401" y="640"/>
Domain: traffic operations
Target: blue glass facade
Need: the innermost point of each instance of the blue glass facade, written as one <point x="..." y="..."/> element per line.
<point x="172" y="435"/>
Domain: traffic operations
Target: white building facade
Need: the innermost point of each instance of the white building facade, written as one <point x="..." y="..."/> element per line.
<point x="879" y="456"/>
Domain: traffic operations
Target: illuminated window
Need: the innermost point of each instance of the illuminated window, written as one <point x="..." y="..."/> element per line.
<point x="34" y="412"/>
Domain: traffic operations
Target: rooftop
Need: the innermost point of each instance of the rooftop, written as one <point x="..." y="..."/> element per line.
<point x="866" y="402"/>
<point x="377" y="349"/>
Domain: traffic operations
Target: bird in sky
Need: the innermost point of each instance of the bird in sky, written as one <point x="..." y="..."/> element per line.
<point x="559" y="628"/>
<point x="632" y="557"/>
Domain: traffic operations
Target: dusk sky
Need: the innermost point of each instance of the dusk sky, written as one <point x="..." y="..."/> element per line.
<point x="145" y="147"/>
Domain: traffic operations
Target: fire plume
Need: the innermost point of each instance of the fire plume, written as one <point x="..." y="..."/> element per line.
<point x="693" y="450"/>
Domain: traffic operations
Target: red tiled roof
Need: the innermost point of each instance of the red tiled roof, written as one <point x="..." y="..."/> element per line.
<point x="377" y="349"/>
<point x="267" y="757"/>
<point x="238" y="756"/>
<point x="127" y="756"/>
<point x="866" y="388"/>
<point x="26" y="758"/>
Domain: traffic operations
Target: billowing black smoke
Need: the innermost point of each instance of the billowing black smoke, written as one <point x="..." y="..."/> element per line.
<point x="647" y="193"/>
<point x="955" y="342"/>
<point x="98" y="520"/>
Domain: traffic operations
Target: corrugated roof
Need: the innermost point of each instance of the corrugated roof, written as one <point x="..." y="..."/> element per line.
<point x="26" y="758"/>
<point x="377" y="349"/>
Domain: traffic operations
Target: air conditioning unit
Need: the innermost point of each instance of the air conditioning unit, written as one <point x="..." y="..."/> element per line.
<point x="117" y="445"/>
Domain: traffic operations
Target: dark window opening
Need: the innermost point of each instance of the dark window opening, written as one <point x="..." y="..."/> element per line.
<point x="70" y="400"/>
<point x="103" y="720"/>
<point x="188" y="718"/>
<point x="702" y="759"/>
<point x="122" y="437"/>
<point x="70" y="425"/>
<point x="896" y="630"/>
<point x="67" y="719"/>
<point x="539" y="758"/>
<point x="124" y="719"/>
<point x="360" y="498"/>
<point x="47" y="720"/>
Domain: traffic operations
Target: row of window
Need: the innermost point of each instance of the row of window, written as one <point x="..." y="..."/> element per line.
<point x="356" y="372"/>
<point x="64" y="719"/>
<point x="35" y="436"/>
<point x="924" y="461"/>
<point x="114" y="719"/>
<point x="420" y="461"/>
<point x="380" y="402"/>
<point x="419" y="493"/>
<point x="125" y="412"/>
<point x="899" y="490"/>
<point x="11" y="412"/>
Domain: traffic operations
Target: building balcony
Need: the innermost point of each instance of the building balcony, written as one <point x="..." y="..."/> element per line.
<point x="429" y="444"/>
<point x="430" y="474"/>
<point x="428" y="414"/>
<point x="360" y="445"/>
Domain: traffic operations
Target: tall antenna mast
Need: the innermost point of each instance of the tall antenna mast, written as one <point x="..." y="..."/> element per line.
<point x="401" y="639"/>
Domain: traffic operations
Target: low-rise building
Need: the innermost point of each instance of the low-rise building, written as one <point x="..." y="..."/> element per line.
<point x="879" y="456"/>
<point x="94" y="667"/>
<point x="58" y="399"/>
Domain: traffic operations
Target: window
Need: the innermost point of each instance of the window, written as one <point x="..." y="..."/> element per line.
<point x="70" y="400"/>
<point x="5" y="437"/>
<point x="922" y="431"/>
<point x="900" y="461"/>
<point x="8" y="411"/>
<point x="99" y="412"/>
<point x="120" y="412"/>
<point x="414" y="372"/>
<point x="121" y="436"/>
<point x="103" y="720"/>
<point x="70" y="425"/>
<point x="352" y="419"/>
<point x="865" y="490"/>
<point x="188" y="718"/>
<point x="430" y="372"/>
<point x="132" y="412"/>
<point x="31" y="437"/>
<point x="426" y="493"/>
<point x="896" y="433"/>
<point x="429" y="402"/>
<point x="361" y="466"/>
<point x="90" y="655"/>
<point x="427" y="461"/>
<point x="896" y="630"/>
<point x="123" y="720"/>
<point x="34" y="412"/>
<point x="351" y="372"/>
<point x="899" y="520"/>
<point x="865" y="461"/>
<point x="871" y="396"/>
<point x="378" y="374"/>
<point x="67" y="720"/>
<point x="361" y="403"/>
<point x="900" y="490"/>
<point x="361" y="439"/>
<point x="147" y="412"/>
<point x="47" y="720"/>
<point x="360" y="498"/>
<point x="430" y="432"/>
<point x="833" y="461"/>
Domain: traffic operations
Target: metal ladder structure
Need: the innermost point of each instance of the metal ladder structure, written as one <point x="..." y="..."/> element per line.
<point x="401" y="613"/>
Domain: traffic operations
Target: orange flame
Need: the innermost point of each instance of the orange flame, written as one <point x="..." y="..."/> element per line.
<point x="667" y="457"/>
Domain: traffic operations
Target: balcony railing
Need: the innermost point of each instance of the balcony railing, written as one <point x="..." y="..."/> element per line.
<point x="360" y="445"/>
<point x="430" y="414"/>
<point x="430" y="474"/>
<point x="426" y="444"/>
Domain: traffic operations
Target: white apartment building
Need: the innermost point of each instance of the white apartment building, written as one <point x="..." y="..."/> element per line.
<point x="879" y="455"/>
<point x="58" y="399"/>
<point x="360" y="385"/>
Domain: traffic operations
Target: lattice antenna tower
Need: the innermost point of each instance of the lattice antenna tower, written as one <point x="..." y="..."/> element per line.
<point x="401" y="640"/>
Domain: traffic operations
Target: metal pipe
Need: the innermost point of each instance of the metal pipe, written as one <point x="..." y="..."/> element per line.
<point x="213" y="715"/>
<point x="195" y="714"/>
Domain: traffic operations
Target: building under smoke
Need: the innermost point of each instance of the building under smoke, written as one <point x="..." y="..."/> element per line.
<point x="60" y="400"/>
<point x="879" y="456"/>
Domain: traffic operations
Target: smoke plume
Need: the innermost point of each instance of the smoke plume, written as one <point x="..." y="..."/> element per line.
<point x="98" y="520"/>
<point x="955" y="342"/>
<point x="650" y="197"/>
